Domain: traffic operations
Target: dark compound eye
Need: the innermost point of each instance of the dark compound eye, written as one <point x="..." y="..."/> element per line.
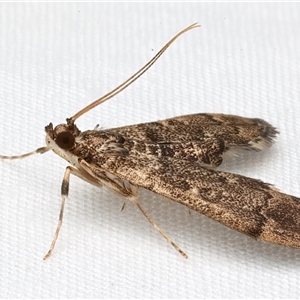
<point x="65" y="140"/>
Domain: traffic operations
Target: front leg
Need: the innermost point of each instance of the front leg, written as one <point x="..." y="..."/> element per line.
<point x="117" y="185"/>
<point x="64" y="195"/>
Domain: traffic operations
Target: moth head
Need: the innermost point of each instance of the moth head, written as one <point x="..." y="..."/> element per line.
<point x="62" y="136"/>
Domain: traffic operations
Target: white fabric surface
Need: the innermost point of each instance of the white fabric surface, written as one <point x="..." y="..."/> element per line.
<point x="55" y="59"/>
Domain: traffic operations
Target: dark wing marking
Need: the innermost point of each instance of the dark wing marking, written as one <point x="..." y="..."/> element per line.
<point x="207" y="153"/>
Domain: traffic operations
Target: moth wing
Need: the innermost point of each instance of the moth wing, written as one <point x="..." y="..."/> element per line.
<point x="236" y="132"/>
<point x="244" y="204"/>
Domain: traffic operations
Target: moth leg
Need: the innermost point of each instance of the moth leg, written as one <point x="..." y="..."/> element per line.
<point x="123" y="206"/>
<point x="64" y="196"/>
<point x="129" y="191"/>
<point x="159" y="230"/>
<point x="124" y="188"/>
<point x="112" y="182"/>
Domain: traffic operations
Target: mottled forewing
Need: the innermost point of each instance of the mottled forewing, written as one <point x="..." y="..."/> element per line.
<point x="235" y="131"/>
<point x="247" y="205"/>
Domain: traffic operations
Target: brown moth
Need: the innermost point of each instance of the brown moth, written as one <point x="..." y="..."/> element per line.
<point x="176" y="158"/>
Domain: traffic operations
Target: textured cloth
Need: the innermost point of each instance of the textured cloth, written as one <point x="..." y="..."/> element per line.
<point x="55" y="59"/>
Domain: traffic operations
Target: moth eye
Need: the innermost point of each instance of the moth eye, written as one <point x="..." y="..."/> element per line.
<point x="65" y="140"/>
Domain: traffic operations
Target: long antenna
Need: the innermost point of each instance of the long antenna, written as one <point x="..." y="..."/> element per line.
<point x="131" y="79"/>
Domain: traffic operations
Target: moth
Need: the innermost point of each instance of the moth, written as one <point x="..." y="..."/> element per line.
<point x="177" y="158"/>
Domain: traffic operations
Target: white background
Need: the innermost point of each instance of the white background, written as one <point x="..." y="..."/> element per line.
<point x="55" y="59"/>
